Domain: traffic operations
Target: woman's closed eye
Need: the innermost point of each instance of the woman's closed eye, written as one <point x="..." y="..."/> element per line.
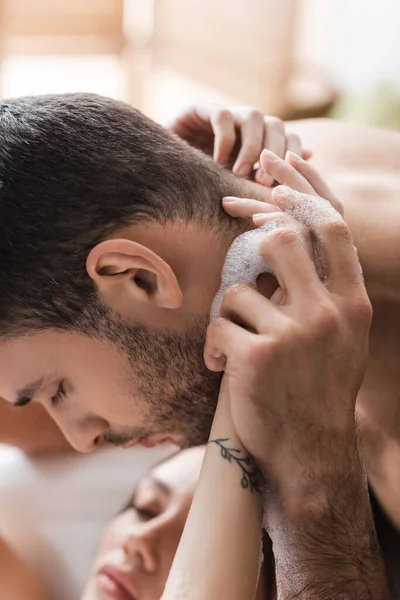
<point x="144" y="513"/>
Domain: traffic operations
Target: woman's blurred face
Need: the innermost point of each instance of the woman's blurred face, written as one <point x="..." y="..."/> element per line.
<point x="138" y="547"/>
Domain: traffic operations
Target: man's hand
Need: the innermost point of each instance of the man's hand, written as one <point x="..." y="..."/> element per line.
<point x="293" y="371"/>
<point x="235" y="137"/>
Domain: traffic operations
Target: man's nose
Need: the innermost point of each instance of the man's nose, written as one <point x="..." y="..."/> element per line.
<point x="141" y="541"/>
<point x="84" y="437"/>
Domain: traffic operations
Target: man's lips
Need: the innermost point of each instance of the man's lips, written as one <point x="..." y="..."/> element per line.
<point x="116" y="584"/>
<point x="149" y="441"/>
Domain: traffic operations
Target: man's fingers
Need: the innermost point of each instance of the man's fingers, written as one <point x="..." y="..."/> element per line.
<point x="284" y="173"/>
<point x="252" y="137"/>
<point x="262" y="213"/>
<point x="245" y="306"/>
<point x="314" y="178"/>
<point x="282" y="220"/>
<point x="222" y="337"/>
<point x="332" y="235"/>
<point x="284" y="249"/>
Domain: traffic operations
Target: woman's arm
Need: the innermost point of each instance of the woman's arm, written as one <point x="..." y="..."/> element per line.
<point x="17" y="581"/>
<point x="219" y="553"/>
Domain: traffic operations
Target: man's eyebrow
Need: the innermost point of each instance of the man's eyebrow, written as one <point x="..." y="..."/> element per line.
<point x="25" y="395"/>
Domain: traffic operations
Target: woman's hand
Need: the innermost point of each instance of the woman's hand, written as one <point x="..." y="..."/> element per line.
<point x="293" y="172"/>
<point x="219" y="552"/>
<point x="235" y="137"/>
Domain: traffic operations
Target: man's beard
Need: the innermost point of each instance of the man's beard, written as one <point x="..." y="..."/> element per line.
<point x="166" y="369"/>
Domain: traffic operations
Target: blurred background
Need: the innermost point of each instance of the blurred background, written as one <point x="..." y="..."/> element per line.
<point x="292" y="58"/>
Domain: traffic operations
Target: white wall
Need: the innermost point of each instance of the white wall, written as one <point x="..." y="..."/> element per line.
<point x="357" y="41"/>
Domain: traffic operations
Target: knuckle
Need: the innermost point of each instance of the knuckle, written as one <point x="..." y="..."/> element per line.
<point x="192" y="109"/>
<point x="256" y="352"/>
<point x="360" y="310"/>
<point x="326" y="318"/>
<point x="223" y="116"/>
<point x="235" y="291"/>
<point x="283" y="236"/>
<point x="255" y="115"/>
<point x="274" y="123"/>
<point x="336" y="228"/>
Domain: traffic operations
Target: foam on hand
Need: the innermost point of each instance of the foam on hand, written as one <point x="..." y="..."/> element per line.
<point x="244" y="262"/>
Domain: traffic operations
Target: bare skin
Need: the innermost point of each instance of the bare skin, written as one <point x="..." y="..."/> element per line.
<point x="381" y="293"/>
<point x="17" y="582"/>
<point x="362" y="166"/>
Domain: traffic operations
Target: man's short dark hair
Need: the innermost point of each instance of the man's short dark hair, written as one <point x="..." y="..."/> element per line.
<point x="73" y="168"/>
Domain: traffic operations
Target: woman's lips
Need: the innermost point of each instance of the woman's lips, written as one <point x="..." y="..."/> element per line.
<point x="116" y="584"/>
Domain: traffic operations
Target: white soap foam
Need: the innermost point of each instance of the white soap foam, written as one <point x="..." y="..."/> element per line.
<point x="244" y="261"/>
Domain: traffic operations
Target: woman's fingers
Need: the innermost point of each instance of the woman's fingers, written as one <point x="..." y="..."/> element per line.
<point x="262" y="213"/>
<point x="275" y="136"/>
<point x="284" y="173"/>
<point x="245" y="208"/>
<point x="275" y="141"/>
<point x="223" y="125"/>
<point x="320" y="187"/>
<point x="293" y="144"/>
<point x="306" y="154"/>
<point x="252" y="136"/>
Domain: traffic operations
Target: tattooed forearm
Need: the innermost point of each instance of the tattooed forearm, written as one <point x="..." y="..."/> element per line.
<point x="252" y="478"/>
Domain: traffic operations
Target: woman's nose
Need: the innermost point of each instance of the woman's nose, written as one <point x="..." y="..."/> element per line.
<point x="141" y="541"/>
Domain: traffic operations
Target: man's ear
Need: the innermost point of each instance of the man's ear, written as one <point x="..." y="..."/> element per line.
<point x="127" y="274"/>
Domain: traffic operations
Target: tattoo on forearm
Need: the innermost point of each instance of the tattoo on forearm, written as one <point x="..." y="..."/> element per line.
<point x="252" y="478"/>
